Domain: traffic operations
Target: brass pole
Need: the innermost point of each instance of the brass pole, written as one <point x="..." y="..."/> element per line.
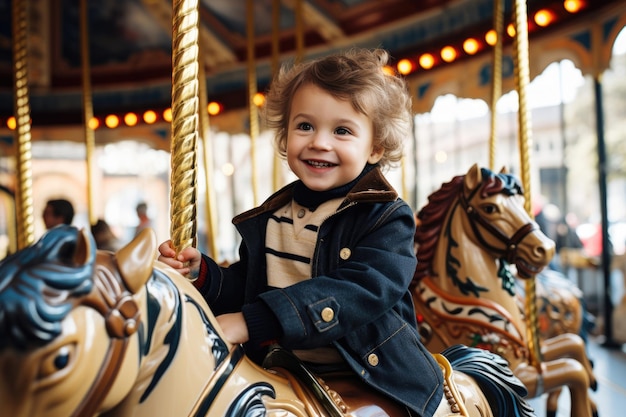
<point x="209" y="199"/>
<point x="276" y="177"/>
<point x="24" y="189"/>
<point x="496" y="85"/>
<point x="252" y="90"/>
<point x="184" y="123"/>
<point x="275" y="35"/>
<point x="299" y="32"/>
<point x="87" y="108"/>
<point x="525" y="139"/>
<point x="9" y="207"/>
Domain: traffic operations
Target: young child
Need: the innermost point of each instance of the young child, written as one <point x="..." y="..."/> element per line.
<point x="325" y="263"/>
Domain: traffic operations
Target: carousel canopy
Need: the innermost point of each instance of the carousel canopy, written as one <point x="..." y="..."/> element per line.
<point x="130" y="44"/>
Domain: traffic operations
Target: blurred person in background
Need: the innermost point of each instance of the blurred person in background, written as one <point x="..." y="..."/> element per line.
<point x="144" y="220"/>
<point x="104" y="236"/>
<point x="555" y="226"/>
<point x="58" y="211"/>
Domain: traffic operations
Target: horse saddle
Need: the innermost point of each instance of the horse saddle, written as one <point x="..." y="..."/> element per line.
<point x="343" y="394"/>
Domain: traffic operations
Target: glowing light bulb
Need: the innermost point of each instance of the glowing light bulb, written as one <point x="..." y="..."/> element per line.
<point x="427" y="61"/>
<point x="149" y="117"/>
<point x="112" y="121"/>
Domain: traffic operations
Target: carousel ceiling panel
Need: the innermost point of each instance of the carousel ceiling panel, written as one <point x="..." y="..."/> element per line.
<point x="130" y="44"/>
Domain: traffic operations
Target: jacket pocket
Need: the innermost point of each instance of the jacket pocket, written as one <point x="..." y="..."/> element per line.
<point x="324" y="314"/>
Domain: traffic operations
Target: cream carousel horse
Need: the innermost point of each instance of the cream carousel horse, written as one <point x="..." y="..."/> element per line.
<point x="469" y="236"/>
<point x="86" y="332"/>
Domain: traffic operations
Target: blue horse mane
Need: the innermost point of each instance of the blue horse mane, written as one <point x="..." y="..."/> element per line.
<point x="37" y="288"/>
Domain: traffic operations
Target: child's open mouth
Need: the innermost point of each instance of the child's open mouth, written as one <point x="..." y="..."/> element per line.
<point x="320" y="164"/>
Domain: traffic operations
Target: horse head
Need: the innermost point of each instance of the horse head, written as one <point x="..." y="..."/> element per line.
<point x="54" y="319"/>
<point x="478" y="220"/>
<point x="494" y="205"/>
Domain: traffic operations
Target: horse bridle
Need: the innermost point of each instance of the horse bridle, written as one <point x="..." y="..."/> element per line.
<point x="122" y="318"/>
<point x="510" y="243"/>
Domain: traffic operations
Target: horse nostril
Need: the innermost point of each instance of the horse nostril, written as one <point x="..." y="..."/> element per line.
<point x="541" y="253"/>
<point x="545" y="252"/>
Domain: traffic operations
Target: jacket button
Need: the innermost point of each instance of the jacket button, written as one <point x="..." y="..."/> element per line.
<point x="345" y="253"/>
<point x="372" y="359"/>
<point x="328" y="314"/>
<point x="301" y="213"/>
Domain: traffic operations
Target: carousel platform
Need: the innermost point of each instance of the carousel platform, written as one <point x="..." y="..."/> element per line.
<point x="610" y="370"/>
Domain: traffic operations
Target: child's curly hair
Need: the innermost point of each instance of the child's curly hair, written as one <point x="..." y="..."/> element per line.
<point x="356" y="75"/>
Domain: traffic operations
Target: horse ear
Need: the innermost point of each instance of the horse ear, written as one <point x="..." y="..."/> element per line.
<point x="504" y="170"/>
<point x="472" y="179"/>
<point x="135" y="261"/>
<point x="84" y="247"/>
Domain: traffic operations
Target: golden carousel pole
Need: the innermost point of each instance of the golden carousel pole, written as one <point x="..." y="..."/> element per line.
<point x="8" y="204"/>
<point x="276" y="177"/>
<point x="522" y="78"/>
<point x="209" y="201"/>
<point x="87" y="107"/>
<point x="496" y="86"/>
<point x="24" y="189"/>
<point x="252" y="90"/>
<point x="299" y="32"/>
<point x="184" y="123"/>
<point x="299" y="35"/>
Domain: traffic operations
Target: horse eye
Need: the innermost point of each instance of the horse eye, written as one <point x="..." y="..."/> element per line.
<point x="56" y="361"/>
<point x="489" y="208"/>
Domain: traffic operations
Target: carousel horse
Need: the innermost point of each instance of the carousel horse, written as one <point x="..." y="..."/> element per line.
<point x="473" y="239"/>
<point x="86" y="332"/>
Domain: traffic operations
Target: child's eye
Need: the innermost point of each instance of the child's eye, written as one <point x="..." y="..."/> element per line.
<point x="305" y="126"/>
<point x="342" y="131"/>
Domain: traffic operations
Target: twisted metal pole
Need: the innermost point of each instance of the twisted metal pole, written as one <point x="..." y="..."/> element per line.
<point x="522" y="78"/>
<point x="184" y="123"/>
<point x="209" y="195"/>
<point x="299" y="31"/>
<point x="87" y="108"/>
<point x="252" y="90"/>
<point x="276" y="177"/>
<point x="496" y="85"/>
<point x="21" y="104"/>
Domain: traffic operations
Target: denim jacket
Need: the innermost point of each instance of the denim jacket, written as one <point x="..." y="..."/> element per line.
<point x="358" y="299"/>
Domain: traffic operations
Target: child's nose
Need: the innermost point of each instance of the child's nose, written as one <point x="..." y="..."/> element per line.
<point x="320" y="141"/>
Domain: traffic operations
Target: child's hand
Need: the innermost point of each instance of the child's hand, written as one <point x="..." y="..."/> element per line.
<point x="186" y="263"/>
<point x="234" y="327"/>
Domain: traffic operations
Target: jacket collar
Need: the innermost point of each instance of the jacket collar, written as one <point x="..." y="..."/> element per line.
<point x="372" y="188"/>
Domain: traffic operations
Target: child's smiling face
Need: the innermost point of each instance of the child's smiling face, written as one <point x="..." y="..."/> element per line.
<point x="328" y="141"/>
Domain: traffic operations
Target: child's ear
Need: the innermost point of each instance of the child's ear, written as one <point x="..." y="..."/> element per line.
<point x="376" y="155"/>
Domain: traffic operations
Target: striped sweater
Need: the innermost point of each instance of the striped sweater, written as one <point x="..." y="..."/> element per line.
<point x="290" y="241"/>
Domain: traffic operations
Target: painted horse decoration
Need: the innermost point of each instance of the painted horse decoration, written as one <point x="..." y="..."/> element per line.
<point x="86" y="332"/>
<point x="473" y="239"/>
